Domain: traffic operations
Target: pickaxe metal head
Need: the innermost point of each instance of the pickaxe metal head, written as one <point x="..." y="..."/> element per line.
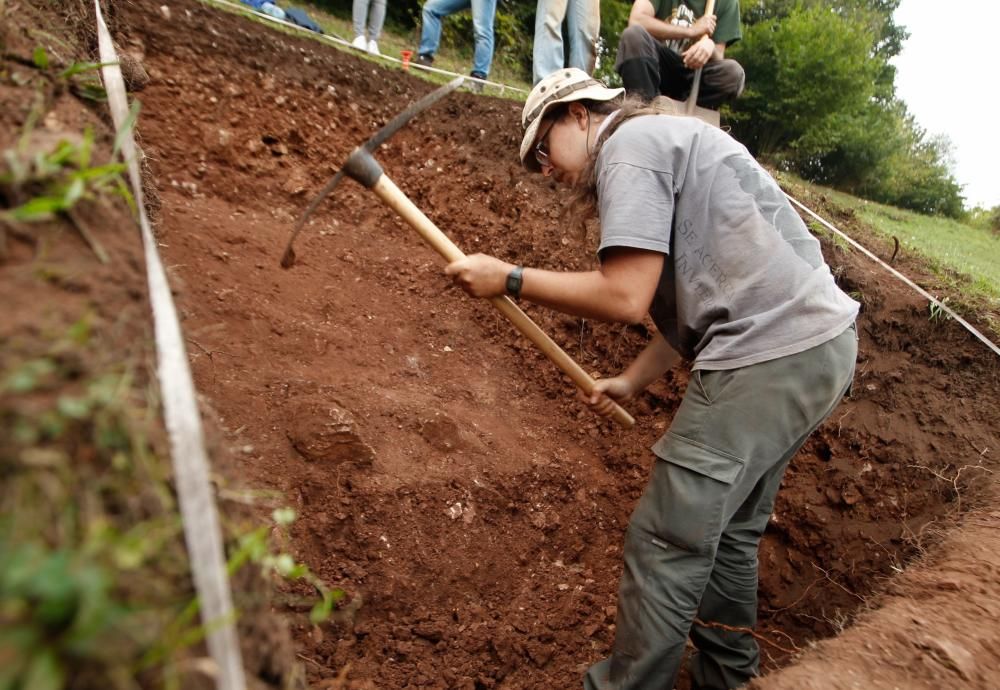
<point x="361" y="165"/>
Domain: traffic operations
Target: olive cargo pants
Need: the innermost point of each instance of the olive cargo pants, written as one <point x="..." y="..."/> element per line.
<point x="691" y="544"/>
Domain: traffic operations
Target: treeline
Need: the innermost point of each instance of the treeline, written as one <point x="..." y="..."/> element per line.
<point x="820" y="101"/>
<point x="820" y="98"/>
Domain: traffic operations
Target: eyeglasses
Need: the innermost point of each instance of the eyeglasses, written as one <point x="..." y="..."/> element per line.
<point x="542" y="148"/>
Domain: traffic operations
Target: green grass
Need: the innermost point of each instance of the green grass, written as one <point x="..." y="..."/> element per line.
<point x="947" y="246"/>
<point x="969" y="251"/>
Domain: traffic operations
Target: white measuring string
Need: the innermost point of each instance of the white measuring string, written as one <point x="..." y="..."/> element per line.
<point x="341" y="42"/>
<point x="968" y="326"/>
<point x="180" y="411"/>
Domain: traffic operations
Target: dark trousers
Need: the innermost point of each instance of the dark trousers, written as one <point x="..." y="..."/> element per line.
<point x="648" y="68"/>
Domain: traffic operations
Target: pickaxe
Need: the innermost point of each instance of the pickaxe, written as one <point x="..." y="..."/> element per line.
<point x="363" y="167"/>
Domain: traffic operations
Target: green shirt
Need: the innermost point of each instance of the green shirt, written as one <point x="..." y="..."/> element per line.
<point x="727" y="13"/>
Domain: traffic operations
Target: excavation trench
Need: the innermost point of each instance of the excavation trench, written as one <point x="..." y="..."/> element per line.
<point x="443" y="473"/>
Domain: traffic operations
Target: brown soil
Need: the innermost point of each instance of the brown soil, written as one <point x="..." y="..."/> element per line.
<point x="443" y="472"/>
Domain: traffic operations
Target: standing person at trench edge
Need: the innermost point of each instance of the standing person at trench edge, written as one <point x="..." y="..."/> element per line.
<point x="367" y="17"/>
<point x="583" y="28"/>
<point x="694" y="232"/>
<point x="483" y="15"/>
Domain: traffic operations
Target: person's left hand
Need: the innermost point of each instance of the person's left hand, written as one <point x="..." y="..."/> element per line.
<point x="699" y="53"/>
<point x="606" y="393"/>
<point x="480" y="275"/>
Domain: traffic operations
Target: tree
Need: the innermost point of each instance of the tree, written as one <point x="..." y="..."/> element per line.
<point x="820" y="100"/>
<point x="807" y="72"/>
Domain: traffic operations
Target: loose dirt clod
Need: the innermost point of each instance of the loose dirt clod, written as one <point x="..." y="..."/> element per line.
<point x="323" y="432"/>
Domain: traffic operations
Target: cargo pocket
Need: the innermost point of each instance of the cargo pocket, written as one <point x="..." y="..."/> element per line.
<point x="711" y="382"/>
<point x="697" y="457"/>
<point x="684" y="502"/>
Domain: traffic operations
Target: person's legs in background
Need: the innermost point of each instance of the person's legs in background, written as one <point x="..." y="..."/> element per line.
<point x="359" y="17"/>
<point x="638" y="63"/>
<point x="721" y="81"/>
<point x="430" y="32"/>
<point x="483" y="15"/>
<point x="376" y="19"/>
<point x="547" y="51"/>
<point x="648" y="69"/>
<point x="583" y="29"/>
<point x="675" y="78"/>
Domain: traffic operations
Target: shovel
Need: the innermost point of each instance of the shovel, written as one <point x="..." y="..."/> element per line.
<point x="690" y="106"/>
<point x="362" y="167"/>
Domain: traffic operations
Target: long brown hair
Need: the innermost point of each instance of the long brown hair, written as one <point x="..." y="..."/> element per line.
<point x="583" y="197"/>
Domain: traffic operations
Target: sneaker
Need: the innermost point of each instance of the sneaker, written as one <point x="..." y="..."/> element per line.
<point x="373" y="48"/>
<point x="476" y="86"/>
<point x="425" y="60"/>
<point x="359" y="43"/>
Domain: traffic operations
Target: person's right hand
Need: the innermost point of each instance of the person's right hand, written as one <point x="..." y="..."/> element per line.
<point x="698" y="53"/>
<point x="606" y="393"/>
<point x="702" y="26"/>
<point x="480" y="275"/>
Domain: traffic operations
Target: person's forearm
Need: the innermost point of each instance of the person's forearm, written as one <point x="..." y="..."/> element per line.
<point x="663" y="31"/>
<point x="589" y="294"/>
<point x="652" y="363"/>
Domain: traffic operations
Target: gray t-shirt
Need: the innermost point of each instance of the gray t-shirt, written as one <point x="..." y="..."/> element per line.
<point x="743" y="281"/>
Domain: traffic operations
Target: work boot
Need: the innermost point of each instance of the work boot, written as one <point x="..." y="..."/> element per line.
<point x="359" y="43"/>
<point x="425" y="59"/>
<point x="476" y="86"/>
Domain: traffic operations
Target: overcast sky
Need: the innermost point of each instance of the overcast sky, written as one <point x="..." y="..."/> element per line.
<point x="948" y="73"/>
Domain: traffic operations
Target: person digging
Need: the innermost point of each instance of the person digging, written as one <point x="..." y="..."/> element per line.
<point x="696" y="234"/>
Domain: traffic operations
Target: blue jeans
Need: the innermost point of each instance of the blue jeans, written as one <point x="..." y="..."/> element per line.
<point x="583" y="27"/>
<point x="483" y="13"/>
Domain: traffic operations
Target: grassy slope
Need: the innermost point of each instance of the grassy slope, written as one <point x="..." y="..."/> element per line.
<point x="970" y="251"/>
<point x="964" y="259"/>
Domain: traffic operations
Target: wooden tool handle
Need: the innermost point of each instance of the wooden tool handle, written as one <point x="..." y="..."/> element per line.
<point x="692" y="100"/>
<point x="388" y="192"/>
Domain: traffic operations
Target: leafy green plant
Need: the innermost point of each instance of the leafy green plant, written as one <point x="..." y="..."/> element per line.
<point x="69" y="458"/>
<point x="90" y="539"/>
<point x="58" y="177"/>
<point x="820" y="101"/>
<point x="55" y="606"/>
<point x="256" y="547"/>
<point x="937" y="311"/>
<point x="80" y="77"/>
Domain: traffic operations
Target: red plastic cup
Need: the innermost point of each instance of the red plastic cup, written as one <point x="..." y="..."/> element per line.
<point x="406" y="55"/>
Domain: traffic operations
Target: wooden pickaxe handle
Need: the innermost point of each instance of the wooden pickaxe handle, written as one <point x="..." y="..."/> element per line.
<point x="692" y="100"/>
<point x="393" y="197"/>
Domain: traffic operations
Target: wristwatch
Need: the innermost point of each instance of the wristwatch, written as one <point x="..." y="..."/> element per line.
<point x="514" y="281"/>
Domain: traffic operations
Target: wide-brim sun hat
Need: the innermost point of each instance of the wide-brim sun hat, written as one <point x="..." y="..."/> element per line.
<point x="562" y="86"/>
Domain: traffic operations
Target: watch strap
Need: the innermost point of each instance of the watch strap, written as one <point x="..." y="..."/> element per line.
<point x="514" y="282"/>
